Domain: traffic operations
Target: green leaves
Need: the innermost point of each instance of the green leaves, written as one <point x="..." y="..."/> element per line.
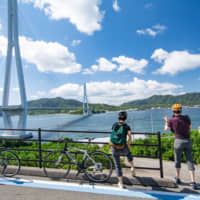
<point x="166" y="139"/>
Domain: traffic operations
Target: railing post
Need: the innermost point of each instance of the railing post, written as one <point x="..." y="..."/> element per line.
<point x="40" y="147"/>
<point x="160" y="155"/>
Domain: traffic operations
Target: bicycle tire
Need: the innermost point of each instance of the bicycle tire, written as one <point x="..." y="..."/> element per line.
<point x="101" y="170"/>
<point x="9" y="163"/>
<point x="55" y="169"/>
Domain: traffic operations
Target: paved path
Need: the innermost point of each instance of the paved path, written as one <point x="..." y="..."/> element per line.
<point x="147" y="185"/>
<point x="32" y="189"/>
<point x="168" y="168"/>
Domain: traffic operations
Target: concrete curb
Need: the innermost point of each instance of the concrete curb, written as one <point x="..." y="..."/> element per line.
<point x="142" y="181"/>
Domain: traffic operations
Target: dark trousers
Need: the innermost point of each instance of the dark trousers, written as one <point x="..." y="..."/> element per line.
<point x="116" y="153"/>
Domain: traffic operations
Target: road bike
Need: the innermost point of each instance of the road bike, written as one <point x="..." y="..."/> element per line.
<point x="9" y="163"/>
<point x="97" y="166"/>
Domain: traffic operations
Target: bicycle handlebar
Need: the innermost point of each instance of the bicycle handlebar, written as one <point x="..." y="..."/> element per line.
<point x="89" y="139"/>
<point x="63" y="140"/>
<point x="68" y="140"/>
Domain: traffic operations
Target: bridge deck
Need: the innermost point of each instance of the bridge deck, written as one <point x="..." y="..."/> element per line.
<point x="16" y="108"/>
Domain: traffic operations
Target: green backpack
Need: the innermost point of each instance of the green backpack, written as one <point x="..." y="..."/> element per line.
<point x="118" y="137"/>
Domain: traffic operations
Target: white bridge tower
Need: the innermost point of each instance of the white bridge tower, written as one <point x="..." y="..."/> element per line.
<point x="85" y="101"/>
<point x="13" y="46"/>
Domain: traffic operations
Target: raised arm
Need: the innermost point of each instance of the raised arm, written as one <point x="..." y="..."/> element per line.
<point x="166" y="128"/>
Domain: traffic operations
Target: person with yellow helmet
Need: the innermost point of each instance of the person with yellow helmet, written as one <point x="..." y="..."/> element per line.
<point x="180" y="125"/>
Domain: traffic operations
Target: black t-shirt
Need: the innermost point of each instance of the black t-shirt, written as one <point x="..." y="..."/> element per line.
<point x="126" y="127"/>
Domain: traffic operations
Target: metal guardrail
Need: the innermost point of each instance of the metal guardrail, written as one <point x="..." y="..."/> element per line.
<point x="40" y="151"/>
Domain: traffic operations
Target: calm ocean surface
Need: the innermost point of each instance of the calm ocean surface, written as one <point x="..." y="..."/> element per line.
<point x="139" y="121"/>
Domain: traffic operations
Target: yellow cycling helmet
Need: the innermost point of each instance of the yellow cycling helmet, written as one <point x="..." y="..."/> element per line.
<point x="177" y="107"/>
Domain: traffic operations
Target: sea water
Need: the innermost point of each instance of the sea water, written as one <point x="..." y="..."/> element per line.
<point x="139" y="121"/>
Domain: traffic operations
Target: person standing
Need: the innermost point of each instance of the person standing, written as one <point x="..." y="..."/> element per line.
<point x="119" y="146"/>
<point x="181" y="125"/>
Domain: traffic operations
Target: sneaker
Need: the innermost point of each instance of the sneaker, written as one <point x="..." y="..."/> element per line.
<point x="177" y="180"/>
<point x="133" y="173"/>
<point x="194" y="185"/>
<point x="121" y="186"/>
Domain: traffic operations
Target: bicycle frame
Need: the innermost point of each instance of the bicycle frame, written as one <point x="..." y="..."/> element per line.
<point x="88" y="163"/>
<point x="85" y="155"/>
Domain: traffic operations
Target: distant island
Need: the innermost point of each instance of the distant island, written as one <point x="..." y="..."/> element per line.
<point x="155" y="101"/>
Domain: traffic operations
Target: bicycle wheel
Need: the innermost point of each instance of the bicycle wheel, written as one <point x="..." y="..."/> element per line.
<point x="98" y="167"/>
<point x="56" y="165"/>
<point x="9" y="163"/>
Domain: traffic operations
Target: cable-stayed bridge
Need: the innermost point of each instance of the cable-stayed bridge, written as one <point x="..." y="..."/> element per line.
<point x="13" y="49"/>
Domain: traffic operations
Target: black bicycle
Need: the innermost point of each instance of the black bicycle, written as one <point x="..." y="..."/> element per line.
<point x="9" y="163"/>
<point x="97" y="166"/>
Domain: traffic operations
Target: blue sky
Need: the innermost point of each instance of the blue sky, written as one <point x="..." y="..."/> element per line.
<point x="124" y="49"/>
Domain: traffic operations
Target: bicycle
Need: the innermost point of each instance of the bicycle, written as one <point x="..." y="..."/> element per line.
<point x="9" y="163"/>
<point x="97" y="166"/>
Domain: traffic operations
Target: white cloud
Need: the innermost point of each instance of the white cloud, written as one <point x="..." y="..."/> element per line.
<point x="40" y="94"/>
<point x="87" y="71"/>
<point x="153" y="31"/>
<point x="47" y="56"/>
<point x="120" y="63"/>
<point x="15" y="89"/>
<point x="103" y="65"/>
<point x="3" y="45"/>
<point x="70" y="89"/>
<point x="84" y="14"/>
<point x="159" y="27"/>
<point x="114" y="93"/>
<point x="131" y="64"/>
<point x="0" y="27"/>
<point x="160" y="55"/>
<point x="75" y="42"/>
<point x="175" y="61"/>
<point x="116" y="6"/>
<point x="147" y="31"/>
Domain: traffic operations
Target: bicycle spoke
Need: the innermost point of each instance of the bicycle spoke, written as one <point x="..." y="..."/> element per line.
<point x="9" y="163"/>
<point x="56" y="165"/>
<point x="98" y="167"/>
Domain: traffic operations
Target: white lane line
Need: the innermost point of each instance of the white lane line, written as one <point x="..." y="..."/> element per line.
<point x="98" y="189"/>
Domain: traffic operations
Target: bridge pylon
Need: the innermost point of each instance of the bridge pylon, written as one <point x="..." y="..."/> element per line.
<point x="86" y="110"/>
<point x="13" y="45"/>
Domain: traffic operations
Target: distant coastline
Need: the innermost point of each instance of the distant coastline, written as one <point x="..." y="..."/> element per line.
<point x="188" y="100"/>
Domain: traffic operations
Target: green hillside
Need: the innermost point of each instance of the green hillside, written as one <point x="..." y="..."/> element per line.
<point x="164" y="101"/>
<point x="189" y="99"/>
<point x="61" y="102"/>
<point x="54" y="102"/>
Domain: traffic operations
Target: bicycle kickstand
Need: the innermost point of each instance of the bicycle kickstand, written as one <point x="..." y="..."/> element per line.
<point x="78" y="172"/>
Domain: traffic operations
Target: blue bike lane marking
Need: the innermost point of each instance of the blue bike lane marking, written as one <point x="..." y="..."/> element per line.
<point x="106" y="190"/>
